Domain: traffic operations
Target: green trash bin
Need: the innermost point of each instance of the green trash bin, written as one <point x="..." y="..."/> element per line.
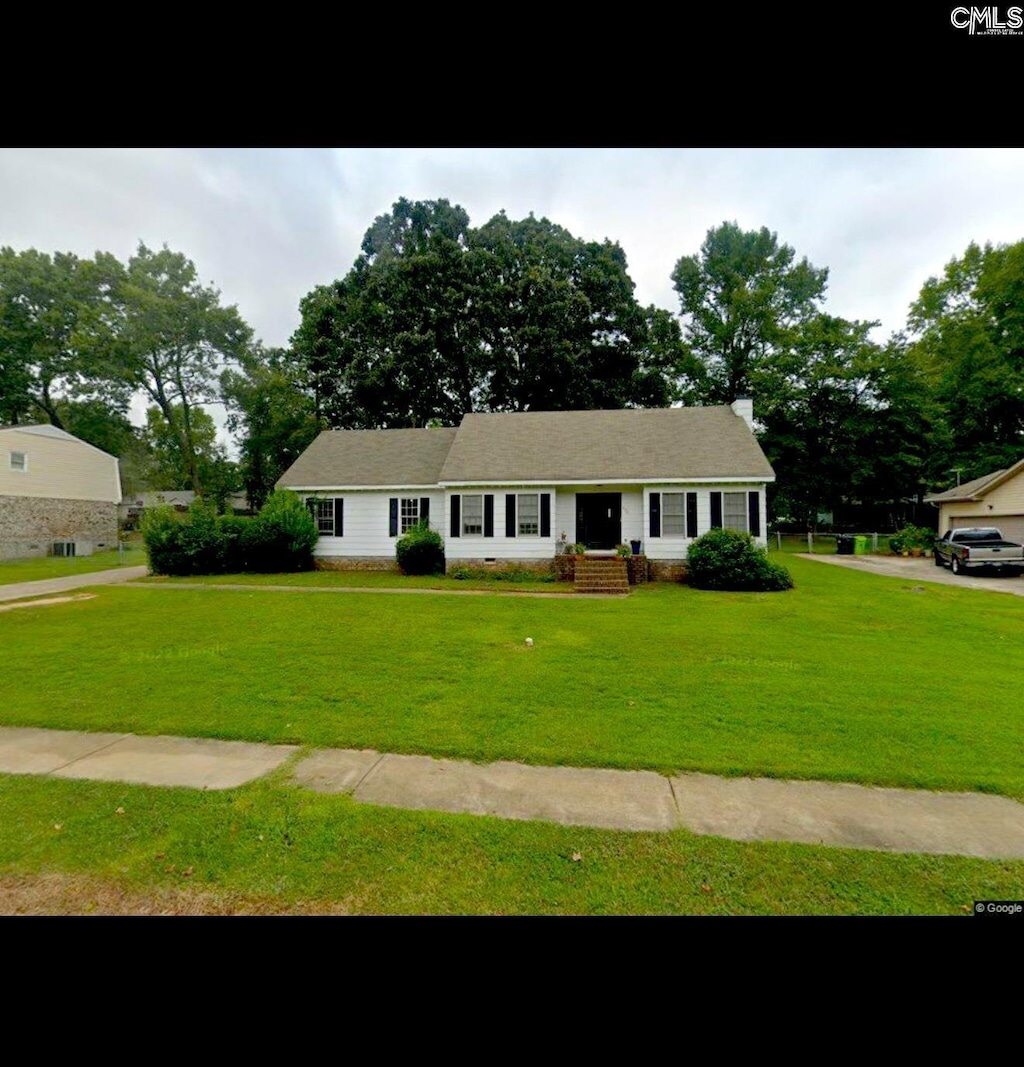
<point x="861" y="544"/>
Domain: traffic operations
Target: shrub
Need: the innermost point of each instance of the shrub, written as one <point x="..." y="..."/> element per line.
<point x="161" y="533"/>
<point x="201" y="540"/>
<point x="729" y="560"/>
<point x="282" y="536"/>
<point x="280" y="539"/>
<point x="233" y="530"/>
<point x="420" y="551"/>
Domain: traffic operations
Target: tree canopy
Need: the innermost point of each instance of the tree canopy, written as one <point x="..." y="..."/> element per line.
<point x="436" y="319"/>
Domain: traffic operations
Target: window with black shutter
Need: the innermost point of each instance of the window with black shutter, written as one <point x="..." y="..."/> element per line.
<point x="716" y="511"/>
<point x="489" y="515"/>
<point x="654" y="502"/>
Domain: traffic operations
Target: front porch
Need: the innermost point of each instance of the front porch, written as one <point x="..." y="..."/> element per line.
<point x="601" y="571"/>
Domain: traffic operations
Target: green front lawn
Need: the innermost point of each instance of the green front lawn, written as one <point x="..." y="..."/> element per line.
<point x="850" y="677"/>
<point x="33" y="570"/>
<point x="369" y="580"/>
<point x="76" y="847"/>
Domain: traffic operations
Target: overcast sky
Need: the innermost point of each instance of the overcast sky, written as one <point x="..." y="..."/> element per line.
<point x="267" y="225"/>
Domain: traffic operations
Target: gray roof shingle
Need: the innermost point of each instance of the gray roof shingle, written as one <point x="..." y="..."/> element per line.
<point x="642" y="444"/>
<point x="976" y="487"/>
<point x="537" y="446"/>
<point x="371" y="458"/>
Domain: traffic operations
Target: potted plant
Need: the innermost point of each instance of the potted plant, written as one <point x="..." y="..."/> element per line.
<point x="624" y="551"/>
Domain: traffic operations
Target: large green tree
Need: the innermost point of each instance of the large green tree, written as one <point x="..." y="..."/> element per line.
<point x="559" y="323"/>
<point x="745" y="299"/>
<point x="393" y="343"/>
<point x="168" y="336"/>
<point x="170" y="468"/>
<point x="967" y="339"/>
<point x="273" y="416"/>
<point x="847" y="423"/>
<point x="49" y="306"/>
<point x="436" y="319"/>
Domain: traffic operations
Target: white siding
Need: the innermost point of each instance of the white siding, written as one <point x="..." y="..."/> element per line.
<point x="366" y="521"/>
<point x="675" y="547"/>
<point x="499" y="546"/>
<point x="57" y="468"/>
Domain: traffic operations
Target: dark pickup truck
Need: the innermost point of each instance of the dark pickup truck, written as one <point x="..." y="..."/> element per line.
<point x="978" y="548"/>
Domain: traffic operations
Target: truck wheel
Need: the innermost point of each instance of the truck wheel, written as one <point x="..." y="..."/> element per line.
<point x="956" y="566"/>
<point x="938" y="560"/>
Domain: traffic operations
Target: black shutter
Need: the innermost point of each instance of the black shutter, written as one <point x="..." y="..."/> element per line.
<point x="655" y="499"/>
<point x="545" y="514"/>
<point x="393" y="517"/>
<point x="488" y="515"/>
<point x="754" y="513"/>
<point x="339" y="517"/>
<point x="425" y="510"/>
<point x="510" y="514"/>
<point x="716" y="511"/>
<point x="691" y="514"/>
<point x="456" y="522"/>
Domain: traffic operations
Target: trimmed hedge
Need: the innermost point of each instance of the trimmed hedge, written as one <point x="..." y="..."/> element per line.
<point x="729" y="560"/>
<point x="281" y="538"/>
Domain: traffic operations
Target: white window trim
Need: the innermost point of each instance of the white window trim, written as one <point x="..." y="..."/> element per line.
<point x="23" y="469"/>
<point x="745" y="528"/>
<point x="520" y="532"/>
<point x="320" y="502"/>
<point x="404" y="526"/>
<point x="665" y="516"/>
<point x="462" y="516"/>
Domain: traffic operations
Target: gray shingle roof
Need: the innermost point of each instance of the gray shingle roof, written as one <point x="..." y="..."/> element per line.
<point x="631" y="444"/>
<point x="371" y="458"/>
<point x="554" y="446"/>
<point x="975" y="488"/>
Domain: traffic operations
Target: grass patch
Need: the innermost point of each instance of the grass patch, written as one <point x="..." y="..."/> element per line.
<point x="33" y="570"/>
<point x="373" y="580"/>
<point x="850" y="677"/>
<point x="271" y="848"/>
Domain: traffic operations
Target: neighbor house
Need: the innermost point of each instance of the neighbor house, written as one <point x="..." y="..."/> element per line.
<point x="57" y="493"/>
<point x="134" y="505"/>
<point x="517" y="487"/>
<point x="996" y="499"/>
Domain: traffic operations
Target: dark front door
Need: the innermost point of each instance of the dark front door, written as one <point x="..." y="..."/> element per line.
<point x="599" y="519"/>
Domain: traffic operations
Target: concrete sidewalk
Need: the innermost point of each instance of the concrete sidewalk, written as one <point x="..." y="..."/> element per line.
<point x="744" y="809"/>
<point x="45" y="586"/>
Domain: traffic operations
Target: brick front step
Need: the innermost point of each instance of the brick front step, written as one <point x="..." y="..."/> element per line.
<point x="601" y="575"/>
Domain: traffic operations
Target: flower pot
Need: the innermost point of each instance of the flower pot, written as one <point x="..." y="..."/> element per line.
<point x="635" y="546"/>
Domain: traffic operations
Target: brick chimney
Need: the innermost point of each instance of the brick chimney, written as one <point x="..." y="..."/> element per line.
<point x="744" y="407"/>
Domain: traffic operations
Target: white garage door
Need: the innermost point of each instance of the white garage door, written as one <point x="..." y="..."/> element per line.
<point x="1012" y="526"/>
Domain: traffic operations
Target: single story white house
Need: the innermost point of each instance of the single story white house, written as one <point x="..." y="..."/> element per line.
<point x="995" y="499"/>
<point x="58" y="494"/>
<point x="514" y="487"/>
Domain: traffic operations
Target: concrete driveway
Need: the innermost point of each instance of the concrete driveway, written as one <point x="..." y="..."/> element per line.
<point x="921" y="570"/>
